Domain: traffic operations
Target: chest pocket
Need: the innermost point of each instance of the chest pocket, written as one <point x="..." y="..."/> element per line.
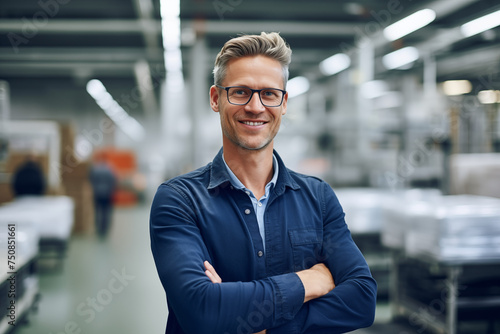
<point x="306" y="247"/>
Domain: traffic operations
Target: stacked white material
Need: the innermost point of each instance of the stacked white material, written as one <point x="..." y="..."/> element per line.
<point x="53" y="215"/>
<point x="475" y="174"/>
<point x="24" y="239"/>
<point x="363" y="208"/>
<point x="398" y="210"/>
<point x="456" y="228"/>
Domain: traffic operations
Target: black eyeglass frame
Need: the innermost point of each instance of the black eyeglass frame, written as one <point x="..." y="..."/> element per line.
<point x="251" y="96"/>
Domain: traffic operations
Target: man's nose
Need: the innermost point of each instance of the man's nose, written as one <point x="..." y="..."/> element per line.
<point x="255" y="104"/>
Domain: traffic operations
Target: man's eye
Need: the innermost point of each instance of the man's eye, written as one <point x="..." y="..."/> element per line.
<point x="240" y="92"/>
<point x="269" y="93"/>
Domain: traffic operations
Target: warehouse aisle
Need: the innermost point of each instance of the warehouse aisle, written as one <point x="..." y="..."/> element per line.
<point x="105" y="286"/>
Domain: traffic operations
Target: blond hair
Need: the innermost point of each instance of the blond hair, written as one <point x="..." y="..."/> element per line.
<point x="271" y="45"/>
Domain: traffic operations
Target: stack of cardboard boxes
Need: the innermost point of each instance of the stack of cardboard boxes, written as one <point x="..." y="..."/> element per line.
<point x="75" y="181"/>
<point x="72" y="171"/>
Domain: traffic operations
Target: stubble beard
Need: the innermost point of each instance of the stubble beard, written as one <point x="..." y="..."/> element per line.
<point x="241" y="144"/>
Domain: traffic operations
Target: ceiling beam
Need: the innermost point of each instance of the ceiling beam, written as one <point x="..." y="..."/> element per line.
<point x="65" y="26"/>
<point x="290" y="28"/>
<point x="59" y="54"/>
<point x="227" y="9"/>
<point x="481" y="64"/>
<point x="286" y="28"/>
<point x="69" y="69"/>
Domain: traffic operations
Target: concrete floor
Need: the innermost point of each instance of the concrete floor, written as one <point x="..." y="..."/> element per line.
<point x="86" y="293"/>
<point x="111" y="286"/>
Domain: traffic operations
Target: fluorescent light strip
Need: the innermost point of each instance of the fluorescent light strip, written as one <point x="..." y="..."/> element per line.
<point x="457" y="87"/>
<point x="171" y="34"/>
<point x="400" y="58"/>
<point x="115" y="112"/>
<point x="481" y="24"/>
<point x="489" y="96"/>
<point x="335" y="64"/>
<point x="409" y="24"/>
<point x="297" y="86"/>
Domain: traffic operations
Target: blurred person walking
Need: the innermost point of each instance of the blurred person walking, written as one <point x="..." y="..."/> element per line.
<point x="103" y="182"/>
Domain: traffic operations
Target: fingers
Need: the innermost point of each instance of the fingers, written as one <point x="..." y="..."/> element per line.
<point x="211" y="273"/>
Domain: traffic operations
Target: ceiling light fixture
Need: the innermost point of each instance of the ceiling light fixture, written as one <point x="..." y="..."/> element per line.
<point x="481" y="24"/>
<point x="335" y="64"/>
<point x="457" y="87"/>
<point x="297" y="86"/>
<point x="489" y="96"/>
<point x="115" y="112"/>
<point x="400" y="58"/>
<point x="409" y="24"/>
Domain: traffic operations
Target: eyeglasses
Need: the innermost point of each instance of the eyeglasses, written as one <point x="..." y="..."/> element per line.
<point x="241" y="95"/>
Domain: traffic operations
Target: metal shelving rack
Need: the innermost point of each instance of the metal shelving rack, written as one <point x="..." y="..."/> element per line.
<point x="437" y="295"/>
<point x="27" y="292"/>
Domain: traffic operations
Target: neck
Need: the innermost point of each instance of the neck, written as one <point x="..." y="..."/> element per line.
<point x="254" y="168"/>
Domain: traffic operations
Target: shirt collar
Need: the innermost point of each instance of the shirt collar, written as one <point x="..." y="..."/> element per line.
<point x="219" y="175"/>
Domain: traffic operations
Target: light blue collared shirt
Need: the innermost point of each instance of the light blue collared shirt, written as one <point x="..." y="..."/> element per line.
<point x="259" y="205"/>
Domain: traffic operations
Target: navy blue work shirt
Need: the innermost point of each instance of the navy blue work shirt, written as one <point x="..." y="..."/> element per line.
<point x="200" y="216"/>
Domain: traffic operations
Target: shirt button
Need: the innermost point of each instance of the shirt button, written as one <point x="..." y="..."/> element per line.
<point x="248" y="193"/>
<point x="232" y="187"/>
<point x="260" y="204"/>
<point x="260" y="253"/>
<point x="247" y="211"/>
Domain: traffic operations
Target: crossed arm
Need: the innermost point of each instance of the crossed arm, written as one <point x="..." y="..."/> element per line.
<point x="317" y="281"/>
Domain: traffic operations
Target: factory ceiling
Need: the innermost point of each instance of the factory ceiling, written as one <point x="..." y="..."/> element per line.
<point x="113" y="39"/>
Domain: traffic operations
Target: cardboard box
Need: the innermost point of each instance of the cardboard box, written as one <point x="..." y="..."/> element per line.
<point x="80" y="190"/>
<point x="6" y="194"/>
<point x="68" y="134"/>
<point x="75" y="171"/>
<point x="16" y="159"/>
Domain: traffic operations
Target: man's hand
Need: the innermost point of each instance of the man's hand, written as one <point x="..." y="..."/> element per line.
<point x="215" y="278"/>
<point x="211" y="273"/>
<point x="317" y="281"/>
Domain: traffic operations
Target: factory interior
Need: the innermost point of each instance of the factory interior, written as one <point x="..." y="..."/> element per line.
<point x="394" y="103"/>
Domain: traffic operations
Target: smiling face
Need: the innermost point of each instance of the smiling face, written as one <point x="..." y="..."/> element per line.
<point x="252" y="126"/>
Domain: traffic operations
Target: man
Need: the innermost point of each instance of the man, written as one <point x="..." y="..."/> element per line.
<point x="244" y="245"/>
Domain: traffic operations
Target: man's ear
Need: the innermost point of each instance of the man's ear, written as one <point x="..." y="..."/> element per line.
<point x="214" y="98"/>
<point x="284" y="105"/>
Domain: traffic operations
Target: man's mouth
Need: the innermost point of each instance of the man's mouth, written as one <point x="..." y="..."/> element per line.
<point x="252" y="123"/>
